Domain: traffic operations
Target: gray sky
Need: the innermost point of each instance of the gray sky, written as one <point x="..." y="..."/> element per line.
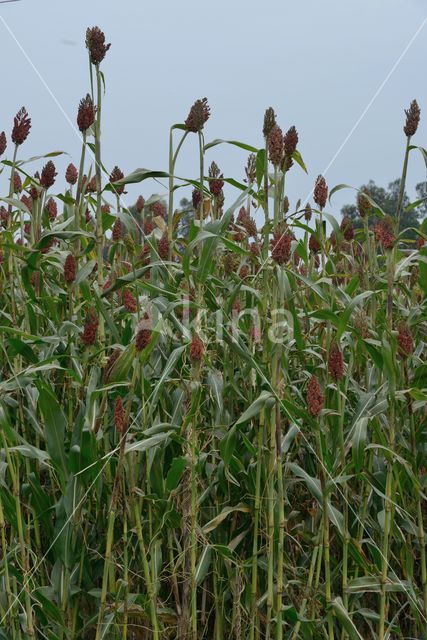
<point x="318" y="63"/>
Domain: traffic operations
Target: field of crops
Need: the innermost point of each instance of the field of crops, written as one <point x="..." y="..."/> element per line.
<point x="213" y="420"/>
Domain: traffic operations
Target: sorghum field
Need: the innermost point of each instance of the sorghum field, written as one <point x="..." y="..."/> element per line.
<point x="213" y="420"/>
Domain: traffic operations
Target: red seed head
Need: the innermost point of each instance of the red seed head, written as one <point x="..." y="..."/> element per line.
<point x="197" y="349"/>
<point x="290" y="141"/>
<point x="347" y="229"/>
<point x="243" y="271"/>
<point x="307" y="212"/>
<point x="315" y="397"/>
<point x="336" y="363"/>
<point x="196" y="198"/>
<point x="71" y="174"/>
<point x="412" y="119"/>
<point x="48" y="175"/>
<point x="314" y="244"/>
<point x="86" y="113"/>
<point x="115" y="176"/>
<point x="163" y="247"/>
<point x="405" y="340"/>
<point x="52" y="209"/>
<point x="129" y="301"/>
<point x="110" y="364"/>
<point x="216" y="183"/>
<point x="143" y="333"/>
<point x="275" y="145"/>
<point x="285" y="205"/>
<point x="147" y="227"/>
<point x="320" y="192"/>
<point x="158" y="209"/>
<point x="280" y="245"/>
<point x="247" y="222"/>
<point x="4" y="216"/>
<point x="21" y="126"/>
<point x="420" y="242"/>
<point x="269" y="122"/>
<point x="140" y="204"/>
<point x="90" y="187"/>
<point x="17" y="182"/>
<point x="117" y="232"/>
<point x="28" y="202"/>
<point x="384" y="232"/>
<point x="90" y="327"/>
<point x="198" y="116"/>
<point x="119" y="416"/>
<point x="95" y="43"/>
<point x="70" y="268"/>
<point x="363" y="204"/>
<point x="3" y="143"/>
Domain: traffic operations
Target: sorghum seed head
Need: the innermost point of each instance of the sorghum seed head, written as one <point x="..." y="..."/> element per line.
<point x="307" y="212"/>
<point x="269" y="122"/>
<point x="320" y="192"/>
<point x="250" y="168"/>
<point x="90" y="327"/>
<point x="147" y="227"/>
<point x="315" y="397"/>
<point x="129" y="301"/>
<point x="28" y="202"/>
<point x="17" y="182"/>
<point x="384" y="232"/>
<point x="196" y="198"/>
<point x="21" y="126"/>
<point x="52" y="209"/>
<point x="412" y="119"/>
<point x="3" y="143"/>
<point x="216" y="183"/>
<point x="285" y="205"/>
<point x="86" y="113"/>
<point x="405" y="340"/>
<point x="243" y="271"/>
<point x="158" y="209"/>
<point x="361" y="323"/>
<point x="4" y="216"/>
<point x="275" y="145"/>
<point x="115" y="176"/>
<point x="163" y="247"/>
<point x="119" y="416"/>
<point x="254" y="249"/>
<point x="90" y="187"/>
<point x="229" y="263"/>
<point x="347" y="229"/>
<point x="140" y="204"/>
<point x="247" y="222"/>
<point x="363" y="204"/>
<point x="35" y="189"/>
<point x="71" y="174"/>
<point x="95" y="43"/>
<point x="49" y="172"/>
<point x="280" y="245"/>
<point x="117" y="232"/>
<point x="419" y="243"/>
<point x="110" y="364"/>
<point x="290" y="141"/>
<point x="314" y="244"/>
<point x="197" y="349"/>
<point x="70" y="268"/>
<point x="198" y="116"/>
<point x="143" y="333"/>
<point x="336" y="363"/>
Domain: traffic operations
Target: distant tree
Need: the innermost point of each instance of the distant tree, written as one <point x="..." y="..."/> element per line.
<point x="387" y="199"/>
<point x="421" y="189"/>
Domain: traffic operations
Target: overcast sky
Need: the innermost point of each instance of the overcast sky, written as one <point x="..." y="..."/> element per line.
<point x="318" y="63"/>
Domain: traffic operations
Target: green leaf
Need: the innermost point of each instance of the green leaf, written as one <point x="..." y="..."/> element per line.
<point x="265" y="398"/>
<point x="55" y="425"/>
<point x="345" y="620"/>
